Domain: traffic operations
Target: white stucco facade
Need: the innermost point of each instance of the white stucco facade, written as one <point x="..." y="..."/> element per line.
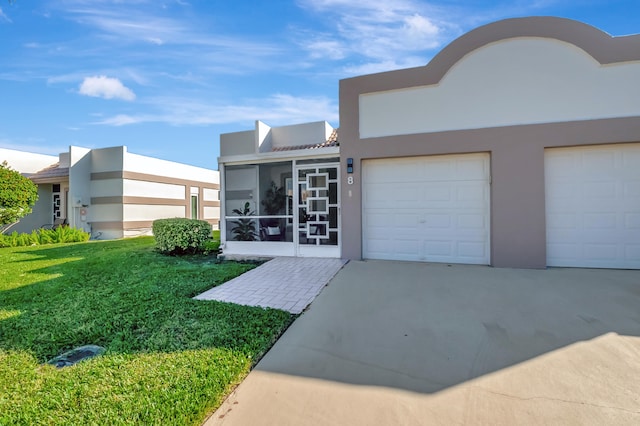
<point x="112" y="193"/>
<point x="537" y="80"/>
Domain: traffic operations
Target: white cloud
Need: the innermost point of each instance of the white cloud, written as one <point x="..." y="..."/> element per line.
<point x="332" y="49"/>
<point x="4" y="17"/>
<point x="121" y="120"/>
<point x="380" y="32"/>
<point x="143" y="33"/>
<point x="277" y="109"/>
<point x="375" y="67"/>
<point x="106" y="87"/>
<point x="39" y="146"/>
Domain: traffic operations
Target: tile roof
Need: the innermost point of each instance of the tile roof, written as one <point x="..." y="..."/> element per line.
<point x="332" y="141"/>
<point x="52" y="173"/>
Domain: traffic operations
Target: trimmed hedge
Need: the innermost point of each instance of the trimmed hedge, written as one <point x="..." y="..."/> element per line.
<point x="181" y="236"/>
<point x="61" y="234"/>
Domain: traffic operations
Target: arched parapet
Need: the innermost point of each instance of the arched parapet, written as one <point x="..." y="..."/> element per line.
<point x="512" y="72"/>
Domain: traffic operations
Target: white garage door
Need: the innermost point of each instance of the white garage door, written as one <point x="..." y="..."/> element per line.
<point x="593" y="206"/>
<point x="433" y="209"/>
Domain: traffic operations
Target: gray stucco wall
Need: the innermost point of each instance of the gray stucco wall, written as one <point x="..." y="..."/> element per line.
<point x="518" y="228"/>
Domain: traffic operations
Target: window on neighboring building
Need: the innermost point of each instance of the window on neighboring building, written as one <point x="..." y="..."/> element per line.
<point x="194" y="207"/>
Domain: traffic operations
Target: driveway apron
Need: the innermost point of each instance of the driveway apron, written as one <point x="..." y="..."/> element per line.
<point x="414" y="343"/>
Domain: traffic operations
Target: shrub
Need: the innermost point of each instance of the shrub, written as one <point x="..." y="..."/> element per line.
<point x="61" y="234"/>
<point x="212" y="247"/>
<point x="181" y="236"/>
<point x="17" y="195"/>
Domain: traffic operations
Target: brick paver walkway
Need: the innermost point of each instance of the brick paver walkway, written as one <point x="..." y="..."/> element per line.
<point x="287" y="283"/>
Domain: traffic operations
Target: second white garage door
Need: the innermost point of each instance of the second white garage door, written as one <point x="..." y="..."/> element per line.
<point x="432" y="209"/>
<point x="593" y="206"/>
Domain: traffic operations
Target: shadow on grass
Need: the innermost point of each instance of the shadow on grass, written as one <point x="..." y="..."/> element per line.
<point x="125" y="296"/>
<point x="169" y="360"/>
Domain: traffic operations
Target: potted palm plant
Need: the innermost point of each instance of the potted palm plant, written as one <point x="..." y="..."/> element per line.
<point x="274" y="203"/>
<point x="274" y="200"/>
<point x="244" y="229"/>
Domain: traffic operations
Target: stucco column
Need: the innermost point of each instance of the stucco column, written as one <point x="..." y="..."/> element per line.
<point x="518" y="230"/>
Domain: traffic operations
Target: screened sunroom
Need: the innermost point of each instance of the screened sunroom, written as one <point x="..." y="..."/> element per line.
<point x="283" y="204"/>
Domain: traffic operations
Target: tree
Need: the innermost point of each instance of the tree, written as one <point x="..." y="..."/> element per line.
<point x="17" y="195"/>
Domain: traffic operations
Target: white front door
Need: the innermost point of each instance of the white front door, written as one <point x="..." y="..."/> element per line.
<point x="317" y="213"/>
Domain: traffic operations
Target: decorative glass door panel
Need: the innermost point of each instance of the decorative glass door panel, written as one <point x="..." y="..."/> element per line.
<point x="318" y="213"/>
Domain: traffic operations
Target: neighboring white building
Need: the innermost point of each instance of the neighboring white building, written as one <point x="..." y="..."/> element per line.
<point x="289" y="176"/>
<point x="113" y="193"/>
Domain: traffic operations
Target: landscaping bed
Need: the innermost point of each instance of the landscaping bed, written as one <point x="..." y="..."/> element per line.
<point x="169" y="359"/>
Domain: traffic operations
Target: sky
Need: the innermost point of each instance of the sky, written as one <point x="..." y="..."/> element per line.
<point x="166" y="78"/>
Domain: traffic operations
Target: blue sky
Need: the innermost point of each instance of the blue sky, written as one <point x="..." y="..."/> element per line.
<point x="166" y="78"/>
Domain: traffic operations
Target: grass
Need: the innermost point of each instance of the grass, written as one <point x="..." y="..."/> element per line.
<point x="169" y="360"/>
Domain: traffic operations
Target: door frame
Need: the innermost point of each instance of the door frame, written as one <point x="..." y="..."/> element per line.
<point x="305" y="250"/>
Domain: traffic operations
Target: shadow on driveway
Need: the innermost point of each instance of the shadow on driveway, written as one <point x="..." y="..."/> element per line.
<point x="484" y="344"/>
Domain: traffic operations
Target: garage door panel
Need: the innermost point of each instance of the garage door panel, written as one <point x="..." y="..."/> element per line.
<point x="433" y="192"/>
<point x="600" y="221"/>
<point x="471" y="250"/>
<point x="593" y="206"/>
<point x="471" y="221"/>
<point x="561" y="221"/>
<point x="471" y="192"/>
<point x="560" y="166"/>
<point x="632" y="221"/>
<point x="436" y="171"/>
<point x="563" y="191"/>
<point x="562" y="252"/>
<point x="406" y="245"/>
<point x="596" y="190"/>
<point x="604" y="160"/>
<point x="377" y="194"/>
<point x="377" y="220"/>
<point x="410" y="221"/>
<point x="437" y="221"/>
<point x="377" y="246"/>
<point x="601" y="252"/>
<point x="632" y="190"/>
<point x="472" y="169"/>
<point x="440" y="214"/>
<point x="438" y="249"/>
<point x="632" y="251"/>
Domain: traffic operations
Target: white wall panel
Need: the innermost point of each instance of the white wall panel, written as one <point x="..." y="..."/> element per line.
<point x="211" y="212"/>
<point x="137" y="188"/>
<point x="106" y="188"/>
<point x="26" y="162"/>
<point x="512" y="82"/>
<point x="210" y="194"/>
<point x="141" y="212"/>
<point x="103" y="213"/>
<point x="154" y="166"/>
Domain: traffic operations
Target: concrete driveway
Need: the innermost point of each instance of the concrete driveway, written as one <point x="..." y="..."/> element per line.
<point x="411" y="343"/>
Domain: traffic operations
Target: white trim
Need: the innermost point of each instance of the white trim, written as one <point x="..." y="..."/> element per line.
<point x="259" y="248"/>
<point x="269" y="157"/>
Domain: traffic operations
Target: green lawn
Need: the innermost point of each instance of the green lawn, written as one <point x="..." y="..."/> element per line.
<point x="169" y="359"/>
